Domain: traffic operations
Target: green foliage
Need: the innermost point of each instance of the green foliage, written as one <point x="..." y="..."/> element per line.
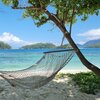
<point x="65" y="10"/>
<point x="39" y="16"/>
<point x="38" y="3"/>
<point x="7" y="2"/>
<point x="39" y="45"/>
<point x="15" y="3"/>
<point x="88" y="82"/>
<point x="61" y="75"/>
<point x="4" y="45"/>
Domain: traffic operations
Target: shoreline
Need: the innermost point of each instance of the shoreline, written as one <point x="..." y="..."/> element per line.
<point x="73" y="71"/>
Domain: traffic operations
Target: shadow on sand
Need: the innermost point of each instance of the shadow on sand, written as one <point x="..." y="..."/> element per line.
<point x="57" y="89"/>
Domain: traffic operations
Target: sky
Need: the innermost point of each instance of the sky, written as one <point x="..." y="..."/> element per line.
<point x="17" y="31"/>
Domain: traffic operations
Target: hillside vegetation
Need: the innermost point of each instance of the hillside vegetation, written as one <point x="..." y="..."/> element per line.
<point x="65" y="46"/>
<point x="88" y="44"/>
<point x="4" y="45"/>
<point x="39" y="45"/>
<point x="88" y="82"/>
<point x="45" y="45"/>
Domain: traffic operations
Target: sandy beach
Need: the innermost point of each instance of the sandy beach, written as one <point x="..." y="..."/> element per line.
<point x="57" y="89"/>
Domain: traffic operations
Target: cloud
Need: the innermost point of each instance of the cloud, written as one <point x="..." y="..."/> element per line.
<point x="13" y="40"/>
<point x="82" y="42"/>
<point x="91" y="34"/>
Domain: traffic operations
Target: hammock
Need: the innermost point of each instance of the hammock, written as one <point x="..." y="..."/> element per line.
<point x="42" y="72"/>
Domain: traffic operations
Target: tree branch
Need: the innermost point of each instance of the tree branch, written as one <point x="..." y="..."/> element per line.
<point x="73" y="13"/>
<point x="57" y="22"/>
<point x="42" y="21"/>
<point x="51" y="16"/>
<point x="62" y="40"/>
<point x="28" y="7"/>
<point x="70" y="30"/>
<point x="41" y="4"/>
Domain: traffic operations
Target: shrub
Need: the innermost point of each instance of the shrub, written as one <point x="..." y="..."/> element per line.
<point x="87" y="82"/>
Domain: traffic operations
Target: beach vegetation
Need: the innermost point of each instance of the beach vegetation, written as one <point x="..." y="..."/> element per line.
<point x="64" y="14"/>
<point x="61" y="75"/>
<point x="87" y="82"/>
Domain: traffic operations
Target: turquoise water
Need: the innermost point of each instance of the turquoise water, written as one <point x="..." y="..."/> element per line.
<point x="92" y="54"/>
<point x="21" y="59"/>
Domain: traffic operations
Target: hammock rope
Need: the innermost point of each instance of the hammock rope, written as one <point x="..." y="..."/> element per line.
<point x="42" y="72"/>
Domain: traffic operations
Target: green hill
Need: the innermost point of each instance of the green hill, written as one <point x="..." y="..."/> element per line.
<point x="44" y="45"/>
<point x="4" y="45"/>
<point x="92" y="44"/>
<point x="39" y="45"/>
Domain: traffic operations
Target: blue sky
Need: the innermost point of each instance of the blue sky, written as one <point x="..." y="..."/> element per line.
<point x="18" y="31"/>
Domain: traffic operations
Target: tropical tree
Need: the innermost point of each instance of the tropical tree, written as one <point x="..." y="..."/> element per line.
<point x="65" y="12"/>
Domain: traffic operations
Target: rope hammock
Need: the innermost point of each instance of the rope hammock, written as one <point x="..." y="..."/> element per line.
<point x="42" y="72"/>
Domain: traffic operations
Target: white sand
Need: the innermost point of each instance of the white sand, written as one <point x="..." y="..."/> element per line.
<point x="57" y="89"/>
<point x="73" y="71"/>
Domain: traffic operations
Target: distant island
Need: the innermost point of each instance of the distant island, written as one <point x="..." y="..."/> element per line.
<point x="39" y="45"/>
<point x="4" y="45"/>
<point x="89" y="44"/>
<point x="44" y="45"/>
<point x="92" y="44"/>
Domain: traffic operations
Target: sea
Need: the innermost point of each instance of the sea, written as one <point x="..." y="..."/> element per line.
<point x="18" y="59"/>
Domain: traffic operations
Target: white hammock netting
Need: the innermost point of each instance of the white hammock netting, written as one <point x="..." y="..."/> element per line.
<point x="40" y="73"/>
